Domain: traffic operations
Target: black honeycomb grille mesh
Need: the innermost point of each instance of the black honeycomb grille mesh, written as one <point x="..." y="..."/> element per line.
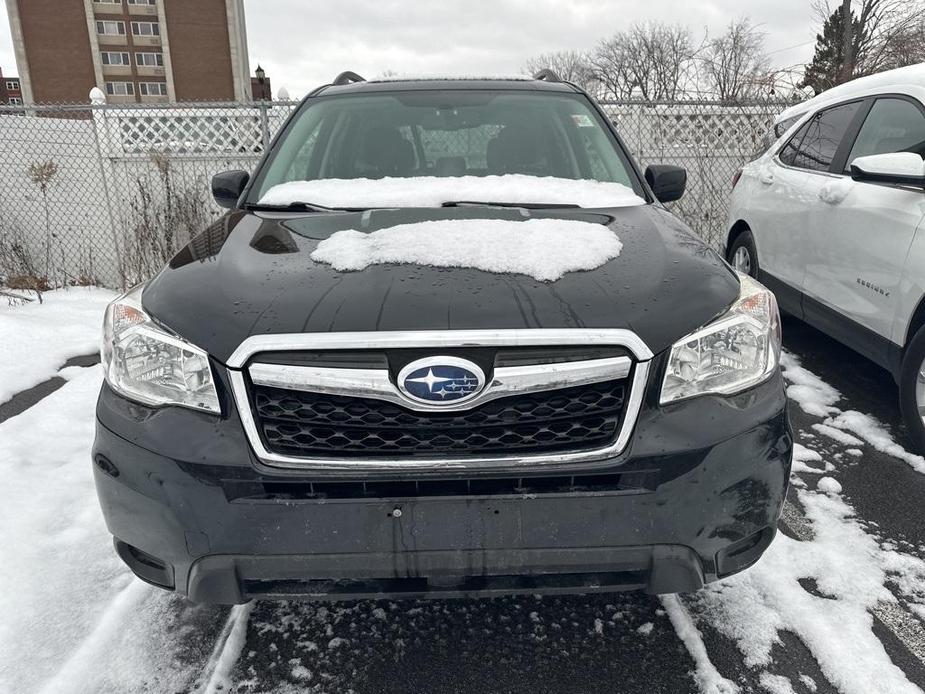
<point x="310" y="424"/>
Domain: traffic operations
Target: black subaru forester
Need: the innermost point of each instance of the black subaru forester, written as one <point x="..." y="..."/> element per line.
<point x="275" y="425"/>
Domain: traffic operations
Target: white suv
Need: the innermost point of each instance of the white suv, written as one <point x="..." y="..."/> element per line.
<point x="832" y="219"/>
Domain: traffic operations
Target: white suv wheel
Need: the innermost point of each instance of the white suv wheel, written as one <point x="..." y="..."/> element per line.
<point x="920" y="391"/>
<point x="742" y="260"/>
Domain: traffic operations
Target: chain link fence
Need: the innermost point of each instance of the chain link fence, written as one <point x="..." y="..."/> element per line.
<point x="93" y="193"/>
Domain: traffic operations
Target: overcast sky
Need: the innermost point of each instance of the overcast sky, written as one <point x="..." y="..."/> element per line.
<point x="303" y="44"/>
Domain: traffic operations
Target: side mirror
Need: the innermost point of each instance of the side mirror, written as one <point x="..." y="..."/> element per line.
<point x="903" y="168"/>
<point x="666" y="181"/>
<point x="227" y="187"/>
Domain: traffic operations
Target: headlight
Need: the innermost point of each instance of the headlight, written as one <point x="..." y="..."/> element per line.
<point x="146" y="363"/>
<point x="736" y="351"/>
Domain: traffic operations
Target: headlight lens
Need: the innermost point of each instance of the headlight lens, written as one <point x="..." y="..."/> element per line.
<point x="736" y="351"/>
<point x="146" y="363"/>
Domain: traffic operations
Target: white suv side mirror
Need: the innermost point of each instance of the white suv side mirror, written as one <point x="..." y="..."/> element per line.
<point x="905" y="168"/>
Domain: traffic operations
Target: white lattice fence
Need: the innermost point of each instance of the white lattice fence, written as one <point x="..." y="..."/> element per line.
<point x="111" y="192"/>
<point x="710" y="140"/>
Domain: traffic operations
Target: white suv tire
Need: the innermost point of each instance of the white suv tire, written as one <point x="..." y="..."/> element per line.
<point x="743" y="255"/>
<point x="912" y="389"/>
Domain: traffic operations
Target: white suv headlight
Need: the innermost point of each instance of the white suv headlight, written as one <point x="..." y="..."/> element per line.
<point x="146" y="363"/>
<point x="736" y="351"/>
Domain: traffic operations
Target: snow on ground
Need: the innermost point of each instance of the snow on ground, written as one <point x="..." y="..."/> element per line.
<point x="848" y="427"/>
<point x="36" y="339"/>
<point x="432" y="191"/>
<point x="705" y="674"/>
<point x="824" y="588"/>
<point x="545" y="249"/>
<point x="70" y="608"/>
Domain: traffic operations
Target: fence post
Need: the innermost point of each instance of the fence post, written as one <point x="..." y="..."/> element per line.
<point x="264" y="125"/>
<point x="98" y="112"/>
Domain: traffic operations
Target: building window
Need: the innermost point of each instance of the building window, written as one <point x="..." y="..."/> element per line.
<point x="120" y="88"/>
<point x="115" y="58"/>
<point x="107" y="28"/>
<point x="142" y="2"/>
<point x="15" y="101"/>
<point x="12" y="85"/>
<point x="149" y="59"/>
<point x="152" y="88"/>
<point x="108" y="2"/>
<point x="145" y="29"/>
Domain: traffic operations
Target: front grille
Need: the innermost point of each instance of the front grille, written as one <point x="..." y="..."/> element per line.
<point x="304" y="424"/>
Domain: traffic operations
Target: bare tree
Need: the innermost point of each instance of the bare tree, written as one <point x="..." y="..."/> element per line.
<point x="572" y="66"/>
<point x="654" y="61"/>
<point x="880" y="35"/>
<point x="41" y="174"/>
<point x="735" y="66"/>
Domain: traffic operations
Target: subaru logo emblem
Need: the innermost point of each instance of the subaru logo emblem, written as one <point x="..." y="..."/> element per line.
<point x="441" y="380"/>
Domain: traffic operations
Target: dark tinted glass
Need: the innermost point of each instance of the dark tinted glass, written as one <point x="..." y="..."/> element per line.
<point x="446" y="133"/>
<point x="815" y="144"/>
<point x="893" y="125"/>
<point x="788" y="155"/>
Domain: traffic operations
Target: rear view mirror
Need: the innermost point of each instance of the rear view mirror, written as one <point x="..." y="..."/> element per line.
<point x="666" y="181"/>
<point x="228" y="186"/>
<point x="903" y="168"/>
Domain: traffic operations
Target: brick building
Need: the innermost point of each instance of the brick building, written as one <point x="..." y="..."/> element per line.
<point x="134" y="50"/>
<point x="10" y="92"/>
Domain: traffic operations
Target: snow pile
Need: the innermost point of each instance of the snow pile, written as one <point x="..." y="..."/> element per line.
<point x="825" y="587"/>
<point x="814" y="395"/>
<point x="545" y="249"/>
<point x="776" y="684"/>
<point x="875" y="434"/>
<point x="36" y="339"/>
<point x="835" y="191"/>
<point x="851" y="428"/>
<point x="432" y="191"/>
<point x="68" y="602"/>
<point x="707" y="677"/>
<point x="850" y="571"/>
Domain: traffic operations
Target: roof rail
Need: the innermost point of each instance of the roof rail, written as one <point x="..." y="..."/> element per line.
<point x="347" y="77"/>
<point x="547" y="75"/>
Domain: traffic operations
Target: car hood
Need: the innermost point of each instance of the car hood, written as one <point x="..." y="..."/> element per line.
<point x="251" y="274"/>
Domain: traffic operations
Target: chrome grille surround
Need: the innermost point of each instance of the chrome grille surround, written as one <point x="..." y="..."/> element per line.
<point x="374" y="385"/>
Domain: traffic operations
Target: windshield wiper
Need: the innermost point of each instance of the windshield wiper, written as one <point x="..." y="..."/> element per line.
<point x="295" y="207"/>
<point x="524" y="205"/>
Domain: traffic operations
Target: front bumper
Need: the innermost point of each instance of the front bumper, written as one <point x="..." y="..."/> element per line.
<point x="695" y="496"/>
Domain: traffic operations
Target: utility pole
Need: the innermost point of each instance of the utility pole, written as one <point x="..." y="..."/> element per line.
<point x="847" y="67"/>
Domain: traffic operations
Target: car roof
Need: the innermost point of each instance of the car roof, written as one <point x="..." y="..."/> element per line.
<point x="443" y="82"/>
<point x="898" y="80"/>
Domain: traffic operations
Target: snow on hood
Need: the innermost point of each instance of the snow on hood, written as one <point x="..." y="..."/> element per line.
<point x="432" y="191"/>
<point x="544" y="249"/>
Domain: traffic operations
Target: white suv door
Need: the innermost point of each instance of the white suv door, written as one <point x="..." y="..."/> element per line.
<point x="788" y="189"/>
<point x="863" y="231"/>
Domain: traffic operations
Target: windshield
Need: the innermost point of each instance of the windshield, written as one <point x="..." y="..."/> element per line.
<point x="449" y="133"/>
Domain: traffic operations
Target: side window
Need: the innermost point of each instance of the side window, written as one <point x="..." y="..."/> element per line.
<point x="814" y="145"/>
<point x="893" y="125"/>
<point x="788" y="155"/>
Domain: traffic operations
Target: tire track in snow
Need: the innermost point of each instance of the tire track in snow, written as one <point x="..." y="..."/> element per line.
<point x="816" y="398"/>
<point x="707" y="677"/>
<point x="86" y="657"/>
<point x="227" y="650"/>
<point x="905" y="627"/>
